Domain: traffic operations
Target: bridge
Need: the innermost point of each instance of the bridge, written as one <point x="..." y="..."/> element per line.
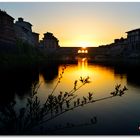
<point x="73" y="53"/>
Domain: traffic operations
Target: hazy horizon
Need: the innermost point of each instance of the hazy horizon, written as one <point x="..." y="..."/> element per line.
<point x="78" y="23"/>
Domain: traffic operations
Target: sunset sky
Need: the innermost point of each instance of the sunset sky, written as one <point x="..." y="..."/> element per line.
<point x="81" y="23"/>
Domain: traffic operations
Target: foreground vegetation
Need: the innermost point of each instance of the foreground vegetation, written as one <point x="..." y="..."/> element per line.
<point x="36" y="114"/>
<point x="23" y="54"/>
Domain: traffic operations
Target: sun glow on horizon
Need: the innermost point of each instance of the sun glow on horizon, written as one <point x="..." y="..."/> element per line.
<point x="84" y="47"/>
<point x="77" y="43"/>
<point x="84" y="44"/>
<point x="78" y="24"/>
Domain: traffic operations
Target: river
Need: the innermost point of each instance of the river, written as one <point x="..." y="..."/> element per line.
<point x="115" y="116"/>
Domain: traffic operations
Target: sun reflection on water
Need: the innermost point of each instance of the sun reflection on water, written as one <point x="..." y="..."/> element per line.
<point x="103" y="79"/>
<point x="83" y="70"/>
<point x="41" y="79"/>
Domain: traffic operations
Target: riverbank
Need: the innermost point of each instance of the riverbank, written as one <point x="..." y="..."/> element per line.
<point x="25" y="55"/>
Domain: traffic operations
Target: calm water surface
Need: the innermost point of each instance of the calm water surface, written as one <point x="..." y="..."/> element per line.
<point x="118" y="115"/>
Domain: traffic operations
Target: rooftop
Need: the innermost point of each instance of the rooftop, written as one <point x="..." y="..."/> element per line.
<point x="35" y="33"/>
<point x="21" y="20"/>
<point x="4" y="13"/>
<point x="133" y="30"/>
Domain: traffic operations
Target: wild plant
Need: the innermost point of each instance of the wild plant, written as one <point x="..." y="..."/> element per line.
<point x="36" y="113"/>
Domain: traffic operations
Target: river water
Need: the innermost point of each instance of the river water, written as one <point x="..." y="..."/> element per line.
<point x="115" y="116"/>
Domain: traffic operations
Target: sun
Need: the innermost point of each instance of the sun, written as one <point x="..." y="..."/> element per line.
<point x="84" y="44"/>
<point x="84" y="47"/>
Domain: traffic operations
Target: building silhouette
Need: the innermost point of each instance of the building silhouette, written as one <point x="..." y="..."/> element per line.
<point x="133" y="38"/>
<point x="49" y="42"/>
<point x="125" y="47"/>
<point x="35" y="39"/>
<point x="10" y="32"/>
<point x="24" y="32"/>
<point x="7" y="32"/>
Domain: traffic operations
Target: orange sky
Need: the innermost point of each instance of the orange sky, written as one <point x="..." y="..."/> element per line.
<point x="78" y="23"/>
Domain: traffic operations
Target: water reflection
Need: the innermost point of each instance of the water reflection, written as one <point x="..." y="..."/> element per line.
<point x="83" y="67"/>
<point x="19" y="81"/>
<point x="82" y="63"/>
<point x="48" y="73"/>
<point x="103" y="79"/>
<point x="130" y="71"/>
<point x="16" y="82"/>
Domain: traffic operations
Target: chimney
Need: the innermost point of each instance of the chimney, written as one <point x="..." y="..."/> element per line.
<point x="20" y="19"/>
